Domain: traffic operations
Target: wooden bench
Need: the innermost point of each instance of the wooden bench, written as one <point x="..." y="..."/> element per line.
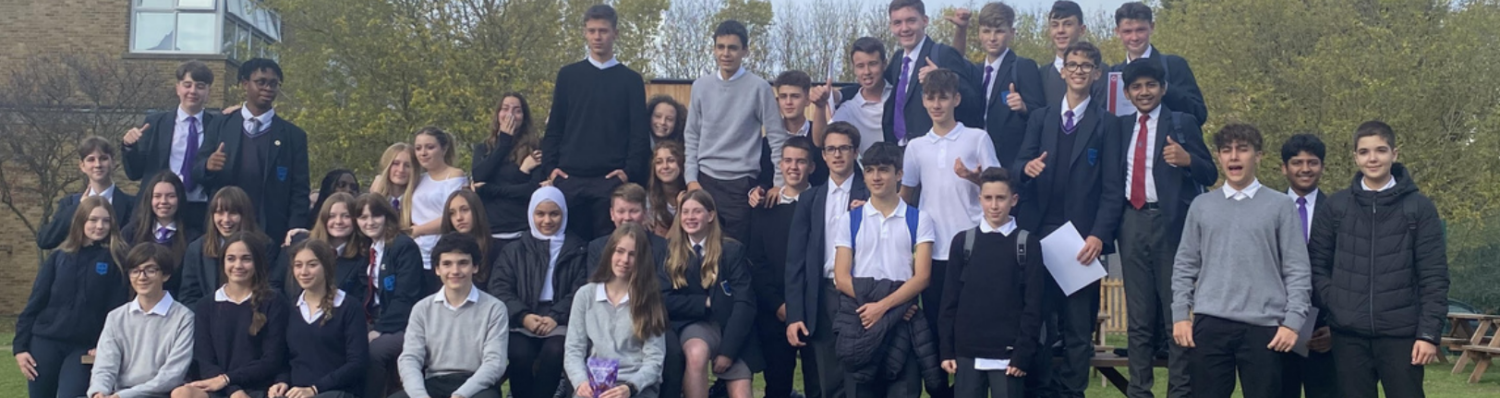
<point x="1108" y="364"/>
<point x="1480" y="350"/>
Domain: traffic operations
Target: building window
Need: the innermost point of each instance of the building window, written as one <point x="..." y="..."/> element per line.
<point x="174" y="26"/>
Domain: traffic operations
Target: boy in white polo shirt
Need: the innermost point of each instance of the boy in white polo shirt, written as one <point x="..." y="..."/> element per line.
<point x="942" y="167"/>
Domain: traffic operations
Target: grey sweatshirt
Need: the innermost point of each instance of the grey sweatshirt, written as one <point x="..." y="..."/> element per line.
<point x="600" y="329"/>
<point x="143" y="353"/>
<point x="1243" y="260"/>
<point x="442" y="340"/>
<point x="724" y="124"/>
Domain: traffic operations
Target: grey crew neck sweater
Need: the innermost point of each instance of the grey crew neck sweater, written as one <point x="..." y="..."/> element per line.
<point x="143" y="355"/>
<point x="1243" y="260"/>
<point x="441" y="341"/>
<point x="724" y="123"/>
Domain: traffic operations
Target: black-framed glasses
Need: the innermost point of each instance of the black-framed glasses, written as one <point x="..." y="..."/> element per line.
<point x="1079" y="68"/>
<point x="840" y="149"/>
<point x="139" y="272"/>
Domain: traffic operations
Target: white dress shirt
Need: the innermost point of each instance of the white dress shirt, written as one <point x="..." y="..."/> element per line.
<point x="160" y="308"/>
<point x="994" y="78"/>
<point x="312" y="316"/>
<point x="1151" y="150"/>
<point x="1247" y="193"/>
<point x="1312" y="201"/>
<point x="837" y="206"/>
<point x="1391" y="183"/>
<point x="264" y="119"/>
<point x="442" y="297"/>
<point x="109" y="193"/>
<point x="179" y="150"/>
<point x="911" y="61"/>
<point x="603" y="65"/>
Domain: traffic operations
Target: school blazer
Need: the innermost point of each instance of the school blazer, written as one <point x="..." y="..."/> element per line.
<point x="283" y="201"/>
<point x="51" y="235"/>
<point x="200" y="273"/>
<point x="1008" y="128"/>
<point x="399" y="285"/>
<point x="1096" y="184"/>
<point x="1182" y="88"/>
<point x="806" y="244"/>
<point x="733" y="297"/>
<point x="153" y="152"/>
<point x="970" y="113"/>
<point x="1176" y="187"/>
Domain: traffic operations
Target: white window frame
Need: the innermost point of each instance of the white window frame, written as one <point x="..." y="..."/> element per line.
<point x="218" y="31"/>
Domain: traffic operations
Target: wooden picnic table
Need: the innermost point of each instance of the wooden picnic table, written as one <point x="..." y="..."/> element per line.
<point x="1108" y="364"/>
<point x="1478" y="349"/>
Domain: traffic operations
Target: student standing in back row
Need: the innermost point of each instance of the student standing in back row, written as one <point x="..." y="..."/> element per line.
<point x="728" y="110"/>
<point x="1065" y="25"/>
<point x="767" y="254"/>
<point x="96" y="158"/>
<point x="1133" y="25"/>
<point x="1302" y="164"/>
<point x="598" y="133"/>
<point x="1378" y="237"/>
<point x="905" y="118"/>
<point x="1010" y="83"/>
<point x="864" y="105"/>
<point x="169" y="141"/>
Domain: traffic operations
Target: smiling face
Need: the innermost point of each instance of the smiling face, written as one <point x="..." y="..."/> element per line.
<point x="548" y="217"/>
<point x="262" y="88"/>
<point x="1303" y="171"/>
<point x="1135" y="34"/>
<point x="97" y="227"/>
<point x="226" y="221"/>
<point x="239" y="264"/>
<point x="940" y="105"/>
<point x="1079" y="71"/>
<point x="909" y="26"/>
<point x="146" y="279"/>
<point x="400" y="170"/>
<point x="664" y="164"/>
<point x="164" y="200"/>
<point x="308" y="270"/>
<point x="511" y="106"/>
<point x="192" y="93"/>
<point x="373" y="226"/>
<point x="663" y="120"/>
<point x="1374" y="156"/>
<point x="1239" y="159"/>
<point x="1065" y="31"/>
<point x="868" y="68"/>
<point x="695" y="218"/>
<point x="729" y="53"/>
<point x="796" y="164"/>
<point x="97" y="166"/>
<point x="622" y="261"/>
<point x="1145" y="93"/>
<point x="882" y="180"/>
<point x="622" y="211"/>
<point x="456" y="270"/>
<point x="429" y="152"/>
<point x="340" y="222"/>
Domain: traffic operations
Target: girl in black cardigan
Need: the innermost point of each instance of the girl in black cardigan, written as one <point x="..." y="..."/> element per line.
<point x="393" y="275"/>
<point x="239" y="334"/>
<point x="72" y="294"/>
<point x="537" y="277"/>
<point x="156" y="220"/>
<point x="505" y="169"/>
<point x="464" y="214"/>
<point x="327" y="350"/>
<point x="230" y="211"/>
<point x="709" y="300"/>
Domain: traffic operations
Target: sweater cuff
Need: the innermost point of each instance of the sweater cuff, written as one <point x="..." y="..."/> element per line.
<point x="1180" y="314"/>
<point x="1294" y="321"/>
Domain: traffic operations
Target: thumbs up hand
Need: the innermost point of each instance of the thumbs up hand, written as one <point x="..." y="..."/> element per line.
<point x="1175" y="155"/>
<point x="1035" y="166"/>
<point x="216" y="161"/>
<point x="1014" y="100"/>
<point x="922" y="73"/>
<point x="135" y="134"/>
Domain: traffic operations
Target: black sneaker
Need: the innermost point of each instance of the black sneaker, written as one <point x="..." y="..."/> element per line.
<point x="718" y="390"/>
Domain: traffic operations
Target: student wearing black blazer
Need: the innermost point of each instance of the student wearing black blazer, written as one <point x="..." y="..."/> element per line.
<point x="1065" y="27"/>
<point x="1070" y="165"/>
<point x="1165" y="165"/>
<point x="505" y="168"/>
<point x="766" y="253"/>
<point x="394" y="278"/>
<point x="905" y="118"/>
<point x="96" y="159"/>
<point x="159" y="218"/>
<point x="1302" y="164"/>
<point x="170" y="140"/>
<point x="260" y="152"/>
<point x="230" y="211"/>
<point x="710" y="304"/>
<point x="1134" y="25"/>
<point x="1010" y="84"/>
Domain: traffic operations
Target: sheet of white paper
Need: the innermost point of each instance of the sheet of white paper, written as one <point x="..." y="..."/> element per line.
<point x="1060" y="253"/>
<point x="1119" y="103"/>
<point x="1304" y="335"/>
<point x="991" y="364"/>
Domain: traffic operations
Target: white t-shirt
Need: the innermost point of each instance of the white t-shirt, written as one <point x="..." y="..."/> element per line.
<point x="952" y="202"/>
<point x="427" y="204"/>
<point x="884" y="249"/>
<point x="864" y="115"/>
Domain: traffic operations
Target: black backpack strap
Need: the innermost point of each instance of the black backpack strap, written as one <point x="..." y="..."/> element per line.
<point x="969" y="244"/>
<point x="1021" y="238"/>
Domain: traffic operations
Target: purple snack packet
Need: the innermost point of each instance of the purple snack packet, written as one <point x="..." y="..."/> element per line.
<point x="602" y="373"/>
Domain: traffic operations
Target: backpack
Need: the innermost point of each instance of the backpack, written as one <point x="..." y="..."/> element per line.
<point x="855" y="218"/>
<point x="1021" y="237"/>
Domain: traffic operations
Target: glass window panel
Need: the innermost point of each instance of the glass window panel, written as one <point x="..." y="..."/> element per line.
<point x="242" y="43"/>
<point x="153" y="4"/>
<point x="196" y="4"/>
<point x="154" y="31"/>
<point x="227" y="46"/>
<point x="195" y="32"/>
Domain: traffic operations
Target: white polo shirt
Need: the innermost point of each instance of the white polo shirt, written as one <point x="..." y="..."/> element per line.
<point x="884" y="243"/>
<point x="952" y="202"/>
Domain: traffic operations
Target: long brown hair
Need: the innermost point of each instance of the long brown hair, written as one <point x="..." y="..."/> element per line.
<point x="78" y="239"/>
<point x="234" y="200"/>
<point x="479" y="227"/>
<point x="320" y="229"/>
<point x="145" y="215"/>
<point x="680" y="246"/>
<point x="526" y="139"/>
<point x="260" y="282"/>
<point x="378" y="205"/>
<point x="326" y="260"/>
<point x="658" y="188"/>
<point x="382" y="183"/>
<point x="647" y="314"/>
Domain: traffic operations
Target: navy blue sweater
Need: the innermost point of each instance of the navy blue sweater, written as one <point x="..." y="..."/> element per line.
<point x="222" y="343"/>
<point x="72" y="294"/>
<point x="329" y="355"/>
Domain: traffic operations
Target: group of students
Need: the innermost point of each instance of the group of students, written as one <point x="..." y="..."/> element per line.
<point x="890" y="237"/>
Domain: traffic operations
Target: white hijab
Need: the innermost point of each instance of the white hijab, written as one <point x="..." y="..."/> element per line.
<point x="555" y="241"/>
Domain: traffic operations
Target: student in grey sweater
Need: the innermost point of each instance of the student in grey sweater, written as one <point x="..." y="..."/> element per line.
<point x="456" y="338"/>
<point x="1242" y="272"/>
<point x="619" y="315"/>
<point x="726" y="114"/>
<point x="147" y="343"/>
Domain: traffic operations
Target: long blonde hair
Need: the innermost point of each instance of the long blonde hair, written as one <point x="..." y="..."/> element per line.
<point x="680" y="246"/>
<point x="382" y="183"/>
<point x="77" y="239"/>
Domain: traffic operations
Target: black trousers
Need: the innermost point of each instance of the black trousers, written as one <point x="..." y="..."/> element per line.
<point x="443" y="386"/>
<point x="1314" y="375"/>
<point x="59" y="368"/>
<point x="382" y="371"/>
<point x="673" y="367"/>
<point x="1077" y="315"/>
<point x="1146" y="257"/>
<point x="822" y="373"/>
<point x="908" y="384"/>
<point x="932" y="305"/>
<point x="780" y="356"/>
<point x="536" y="365"/>
<point x="732" y="198"/>
<point x="1363" y="362"/>
<point x="588" y="204"/>
<point x="973" y="383"/>
<point x="1225" y="348"/>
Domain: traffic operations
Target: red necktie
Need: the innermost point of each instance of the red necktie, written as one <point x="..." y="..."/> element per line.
<point x="1138" y="168"/>
<point x="371" y="290"/>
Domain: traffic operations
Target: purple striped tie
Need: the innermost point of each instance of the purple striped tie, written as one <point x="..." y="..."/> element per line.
<point x="1302" y="212"/>
<point x="902" y="80"/>
<point x="192" y="152"/>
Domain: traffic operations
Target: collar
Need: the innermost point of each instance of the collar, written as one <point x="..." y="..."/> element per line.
<point x="1144" y="55"/>
<point x="170" y="227"/>
<point x="697" y="242"/>
<point x="885" y="94"/>
<point x="442" y="297"/>
<point x="338" y="298"/>
<point x="1388" y="185"/>
<point x="998" y="60"/>
<point x="916" y="51"/>
<point x="737" y="74"/>
<point x="1058" y="63"/>
<point x="1311" y="196"/>
<point x="183" y="115"/>
<point x="378" y="245"/>
<point x="1077" y="112"/>
<point x="805" y="130"/>
<point x="870" y="211"/>
<point x="601" y="295"/>
<point x="951" y="136"/>
<point x="847" y="186"/>
<point x="1155" y="115"/>
<point x="109" y="193"/>
<point x="265" y="118"/>
<point x="160" y="308"/>
<point x="222" y="297"/>
<point x="786" y="200"/>
<point x="1249" y="192"/>
<point x="1005" y="229"/>
<point x="601" y="65"/>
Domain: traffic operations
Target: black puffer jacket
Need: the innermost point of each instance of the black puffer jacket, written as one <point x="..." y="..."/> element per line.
<point x="1380" y="263"/>
<point x="520" y="271"/>
<point x="879" y="353"/>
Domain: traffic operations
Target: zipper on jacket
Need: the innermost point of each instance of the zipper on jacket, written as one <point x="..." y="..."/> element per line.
<point x="1372" y="266"/>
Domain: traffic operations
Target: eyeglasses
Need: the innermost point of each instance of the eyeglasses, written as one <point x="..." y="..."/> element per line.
<point x="840" y="149"/>
<point x="139" y="272"/>
<point x="267" y="83"/>
<point x="1079" y="68"/>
